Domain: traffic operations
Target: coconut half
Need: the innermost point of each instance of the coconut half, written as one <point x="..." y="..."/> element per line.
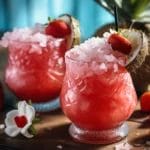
<point x="74" y="38"/>
<point x="139" y="47"/>
<point x="138" y="62"/>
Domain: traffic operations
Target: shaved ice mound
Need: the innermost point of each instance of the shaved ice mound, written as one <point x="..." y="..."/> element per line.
<point x="98" y="55"/>
<point x="34" y="36"/>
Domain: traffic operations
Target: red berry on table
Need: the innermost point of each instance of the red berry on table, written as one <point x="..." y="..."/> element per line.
<point x="120" y="43"/>
<point x="145" y="102"/>
<point x="58" y="29"/>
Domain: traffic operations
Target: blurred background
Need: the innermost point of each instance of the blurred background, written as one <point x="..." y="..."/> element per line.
<point x="21" y="13"/>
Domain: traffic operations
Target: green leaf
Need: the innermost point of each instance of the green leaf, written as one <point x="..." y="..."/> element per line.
<point x="141" y="10"/>
<point x="128" y="10"/>
<point x="123" y="9"/>
<point x="32" y="130"/>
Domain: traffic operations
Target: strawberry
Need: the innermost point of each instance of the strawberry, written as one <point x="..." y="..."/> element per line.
<point x="145" y="102"/>
<point x="120" y="43"/>
<point x="58" y="29"/>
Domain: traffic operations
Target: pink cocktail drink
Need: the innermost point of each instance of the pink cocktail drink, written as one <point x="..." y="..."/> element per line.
<point x="36" y="66"/>
<point x="97" y="93"/>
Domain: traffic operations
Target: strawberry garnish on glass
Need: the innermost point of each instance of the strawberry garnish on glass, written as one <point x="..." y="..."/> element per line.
<point x="58" y="29"/>
<point x="120" y="43"/>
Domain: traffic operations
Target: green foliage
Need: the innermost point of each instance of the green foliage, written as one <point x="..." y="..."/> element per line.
<point x="32" y="130"/>
<point x="137" y="10"/>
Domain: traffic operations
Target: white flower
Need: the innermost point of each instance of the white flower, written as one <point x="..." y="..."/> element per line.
<point x="19" y="120"/>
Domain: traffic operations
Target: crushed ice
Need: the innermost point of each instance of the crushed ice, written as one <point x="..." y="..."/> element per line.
<point x="35" y="36"/>
<point x="97" y="52"/>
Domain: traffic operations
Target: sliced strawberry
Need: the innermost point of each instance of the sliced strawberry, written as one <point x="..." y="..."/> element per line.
<point x="120" y="43"/>
<point x="145" y="102"/>
<point x="58" y="29"/>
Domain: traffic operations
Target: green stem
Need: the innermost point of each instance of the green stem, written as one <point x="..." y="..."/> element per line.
<point x="32" y="130"/>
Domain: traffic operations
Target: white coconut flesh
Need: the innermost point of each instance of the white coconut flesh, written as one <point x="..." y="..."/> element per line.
<point x="139" y="46"/>
<point x="74" y="38"/>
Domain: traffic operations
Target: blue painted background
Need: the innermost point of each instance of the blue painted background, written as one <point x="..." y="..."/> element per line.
<point x="21" y="13"/>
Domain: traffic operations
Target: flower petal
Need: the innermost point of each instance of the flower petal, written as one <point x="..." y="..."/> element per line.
<point x="12" y="131"/>
<point x="22" y="108"/>
<point x="27" y="110"/>
<point x="9" y="120"/>
<point x="24" y="131"/>
<point x="26" y="127"/>
<point x="28" y="135"/>
<point x="30" y="113"/>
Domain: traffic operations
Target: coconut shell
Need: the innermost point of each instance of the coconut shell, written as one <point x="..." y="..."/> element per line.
<point x="145" y="27"/>
<point x="76" y="31"/>
<point x="74" y="38"/>
<point x="140" y="57"/>
<point x="141" y="75"/>
<point x="139" y="67"/>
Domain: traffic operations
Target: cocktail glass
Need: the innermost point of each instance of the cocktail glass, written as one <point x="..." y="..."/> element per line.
<point x="98" y="97"/>
<point x="35" y="67"/>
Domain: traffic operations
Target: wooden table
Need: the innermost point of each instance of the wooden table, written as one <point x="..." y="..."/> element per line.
<point x="53" y="134"/>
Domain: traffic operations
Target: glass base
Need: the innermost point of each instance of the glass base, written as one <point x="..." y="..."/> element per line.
<point x="98" y="137"/>
<point x="47" y="106"/>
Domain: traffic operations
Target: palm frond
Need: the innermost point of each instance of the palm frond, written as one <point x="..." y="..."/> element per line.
<point x="137" y="10"/>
